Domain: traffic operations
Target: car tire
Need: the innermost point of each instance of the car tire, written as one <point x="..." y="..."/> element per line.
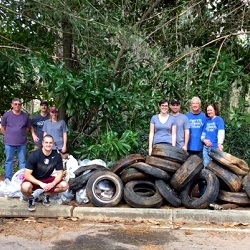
<point x="210" y="194"/>
<point x="232" y="181"/>
<point x="169" y="152"/>
<point x="120" y="165"/>
<point x="94" y="193"/>
<point x="164" y="164"/>
<point x="135" y="200"/>
<point x="168" y="194"/>
<point x="153" y="171"/>
<point x="186" y="172"/>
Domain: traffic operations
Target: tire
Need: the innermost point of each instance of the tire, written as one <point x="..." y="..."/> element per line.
<point x="168" y="194"/>
<point x="125" y="162"/>
<point x="93" y="191"/>
<point x="164" y="164"/>
<point x="83" y="169"/>
<point x="154" y="172"/>
<point x="186" y="172"/>
<point x="210" y="194"/>
<point x="239" y="198"/>
<point x="246" y="184"/>
<point x="137" y="201"/>
<point x="80" y="181"/>
<point x="169" y="152"/>
<point x="232" y="181"/>
<point x="229" y="161"/>
<point x="131" y="174"/>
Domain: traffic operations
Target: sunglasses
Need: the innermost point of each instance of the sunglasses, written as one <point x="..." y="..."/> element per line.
<point x="17" y="104"/>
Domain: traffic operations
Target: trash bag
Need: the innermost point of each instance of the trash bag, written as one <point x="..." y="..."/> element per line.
<point x="81" y="196"/>
<point x="71" y="164"/>
<point x="67" y="196"/>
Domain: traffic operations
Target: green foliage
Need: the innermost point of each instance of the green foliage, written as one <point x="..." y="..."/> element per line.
<point x="111" y="147"/>
<point x="237" y="141"/>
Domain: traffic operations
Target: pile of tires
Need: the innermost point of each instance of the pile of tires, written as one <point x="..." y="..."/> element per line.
<point x="234" y="177"/>
<point x="168" y="176"/>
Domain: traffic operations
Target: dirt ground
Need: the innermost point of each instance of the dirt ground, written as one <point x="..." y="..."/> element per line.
<point x="71" y="234"/>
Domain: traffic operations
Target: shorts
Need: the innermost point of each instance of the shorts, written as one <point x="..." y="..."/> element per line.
<point x="46" y="180"/>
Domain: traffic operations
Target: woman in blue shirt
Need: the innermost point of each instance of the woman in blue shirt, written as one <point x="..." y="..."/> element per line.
<point x="213" y="133"/>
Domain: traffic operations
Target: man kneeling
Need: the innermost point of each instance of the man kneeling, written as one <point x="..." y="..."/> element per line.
<point x="40" y="165"/>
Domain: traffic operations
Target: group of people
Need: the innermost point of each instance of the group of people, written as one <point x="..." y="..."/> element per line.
<point x="50" y="139"/>
<point x="195" y="132"/>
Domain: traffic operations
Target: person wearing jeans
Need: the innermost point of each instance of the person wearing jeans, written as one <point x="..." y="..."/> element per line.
<point x="213" y="133"/>
<point x="15" y="127"/>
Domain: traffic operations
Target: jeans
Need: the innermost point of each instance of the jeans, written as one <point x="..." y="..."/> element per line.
<point x="10" y="156"/>
<point x="206" y="157"/>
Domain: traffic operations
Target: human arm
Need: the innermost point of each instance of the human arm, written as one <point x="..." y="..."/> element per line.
<point x="207" y="142"/>
<point x="3" y="129"/>
<point x="221" y="137"/>
<point x="65" y="139"/>
<point x="58" y="179"/>
<point x="29" y="177"/>
<point x="174" y="129"/>
<point x="151" y="137"/>
<point x="34" y="136"/>
<point x="186" y="139"/>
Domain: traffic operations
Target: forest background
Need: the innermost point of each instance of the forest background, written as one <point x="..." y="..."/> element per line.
<point x="106" y="64"/>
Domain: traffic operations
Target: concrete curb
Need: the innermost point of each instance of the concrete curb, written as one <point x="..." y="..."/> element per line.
<point x="15" y="208"/>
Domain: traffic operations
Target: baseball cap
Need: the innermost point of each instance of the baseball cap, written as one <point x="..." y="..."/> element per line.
<point x="53" y="110"/>
<point x="175" y="102"/>
<point x="44" y="103"/>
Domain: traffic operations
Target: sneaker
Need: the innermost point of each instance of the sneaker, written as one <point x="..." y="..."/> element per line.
<point x="31" y="204"/>
<point x="46" y="201"/>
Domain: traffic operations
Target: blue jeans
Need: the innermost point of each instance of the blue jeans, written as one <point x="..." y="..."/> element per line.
<point x="10" y="156"/>
<point x="206" y="157"/>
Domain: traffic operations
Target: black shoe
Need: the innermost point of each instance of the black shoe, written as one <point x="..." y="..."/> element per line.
<point x="46" y="201"/>
<point x="31" y="204"/>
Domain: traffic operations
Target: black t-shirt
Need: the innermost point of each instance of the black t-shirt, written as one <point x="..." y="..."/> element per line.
<point x="42" y="165"/>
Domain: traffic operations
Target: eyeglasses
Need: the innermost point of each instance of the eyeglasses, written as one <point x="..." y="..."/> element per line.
<point x="17" y="104"/>
<point x="53" y="112"/>
<point x="164" y="106"/>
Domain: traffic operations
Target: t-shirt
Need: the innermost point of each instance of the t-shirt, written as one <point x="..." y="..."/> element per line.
<point x="37" y="122"/>
<point x="196" y="122"/>
<point x="16" y="128"/>
<point x="211" y="128"/>
<point x="182" y="124"/>
<point x="56" y="129"/>
<point x="163" y="131"/>
<point x="42" y="165"/>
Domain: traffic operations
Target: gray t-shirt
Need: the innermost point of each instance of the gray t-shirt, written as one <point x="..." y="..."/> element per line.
<point x="37" y="122"/>
<point x="182" y="124"/>
<point x="56" y="129"/>
<point x="163" y="131"/>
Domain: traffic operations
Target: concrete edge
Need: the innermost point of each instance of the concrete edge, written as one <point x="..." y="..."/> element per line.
<point x="15" y="208"/>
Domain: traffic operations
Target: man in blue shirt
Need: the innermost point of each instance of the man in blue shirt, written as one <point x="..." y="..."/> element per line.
<point x="196" y="120"/>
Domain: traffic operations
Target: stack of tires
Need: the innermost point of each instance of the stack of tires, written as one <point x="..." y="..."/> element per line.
<point x="233" y="174"/>
<point x="169" y="175"/>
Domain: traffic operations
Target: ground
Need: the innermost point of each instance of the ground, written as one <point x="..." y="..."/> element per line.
<point x="74" y="234"/>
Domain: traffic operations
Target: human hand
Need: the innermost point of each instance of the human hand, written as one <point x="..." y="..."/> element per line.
<point x="64" y="149"/>
<point x="220" y="147"/>
<point x="207" y="142"/>
<point x="35" y="138"/>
